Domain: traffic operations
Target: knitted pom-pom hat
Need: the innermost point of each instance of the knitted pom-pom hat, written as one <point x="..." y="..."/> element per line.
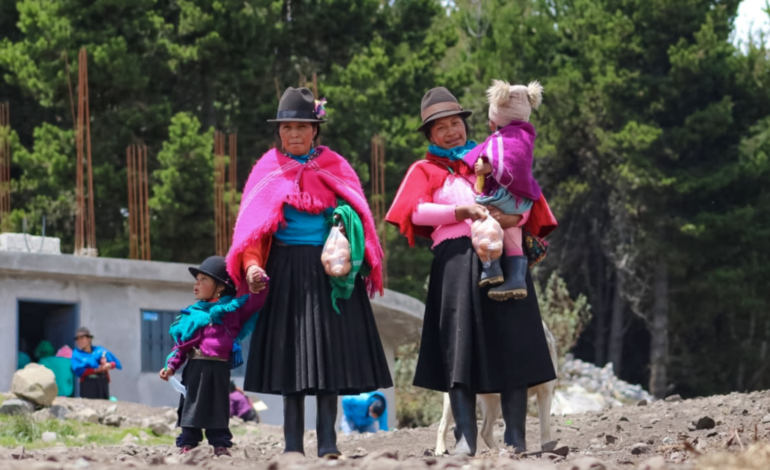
<point x="512" y="102"/>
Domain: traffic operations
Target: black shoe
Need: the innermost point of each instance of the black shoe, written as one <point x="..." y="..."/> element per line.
<point x="294" y="423"/>
<point x="493" y="275"/>
<point x="515" y="285"/>
<point x="514" y="404"/>
<point x="325" y="420"/>
<point x="463" y="403"/>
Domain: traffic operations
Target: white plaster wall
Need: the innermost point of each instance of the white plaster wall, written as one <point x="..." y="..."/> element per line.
<point x="110" y="295"/>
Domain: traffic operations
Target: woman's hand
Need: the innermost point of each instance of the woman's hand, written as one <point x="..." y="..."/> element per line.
<point x="255" y="278"/>
<point x="166" y="374"/>
<point x="505" y="220"/>
<point x="471" y="211"/>
<point x="482" y="168"/>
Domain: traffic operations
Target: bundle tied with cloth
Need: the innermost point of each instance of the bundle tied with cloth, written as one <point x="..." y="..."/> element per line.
<point x="343" y="256"/>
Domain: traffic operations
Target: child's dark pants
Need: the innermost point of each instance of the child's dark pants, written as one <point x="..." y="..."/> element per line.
<point x="193" y="436"/>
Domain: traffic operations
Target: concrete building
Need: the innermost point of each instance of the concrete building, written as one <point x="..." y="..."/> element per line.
<point x="128" y="306"/>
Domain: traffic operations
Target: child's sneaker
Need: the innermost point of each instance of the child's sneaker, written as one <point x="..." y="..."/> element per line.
<point x="221" y="451"/>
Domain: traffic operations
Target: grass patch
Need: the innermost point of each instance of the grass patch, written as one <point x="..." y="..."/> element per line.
<point x="24" y="430"/>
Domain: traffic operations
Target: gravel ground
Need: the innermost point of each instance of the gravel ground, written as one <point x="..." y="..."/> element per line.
<point x="674" y="434"/>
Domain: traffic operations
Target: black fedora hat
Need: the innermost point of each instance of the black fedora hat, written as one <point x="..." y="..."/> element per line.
<point x="215" y="267"/>
<point x="438" y="103"/>
<point x="297" y="105"/>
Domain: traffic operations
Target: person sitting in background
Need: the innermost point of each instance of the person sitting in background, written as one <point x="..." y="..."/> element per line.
<point x="92" y="365"/>
<point x="364" y="413"/>
<point x="60" y="366"/>
<point x="23" y="358"/>
<point x="241" y="405"/>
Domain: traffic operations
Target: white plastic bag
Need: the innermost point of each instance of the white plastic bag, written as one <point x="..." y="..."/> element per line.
<point x="487" y="239"/>
<point x="336" y="254"/>
<point x="177" y="385"/>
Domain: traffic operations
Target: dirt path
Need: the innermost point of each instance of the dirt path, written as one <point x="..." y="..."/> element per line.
<point x="620" y="438"/>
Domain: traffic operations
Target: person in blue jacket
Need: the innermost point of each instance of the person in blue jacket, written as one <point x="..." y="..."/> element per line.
<point x="366" y="412"/>
<point x="91" y="364"/>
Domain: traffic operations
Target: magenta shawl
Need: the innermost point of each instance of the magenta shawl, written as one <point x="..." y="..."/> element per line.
<point x="313" y="187"/>
<point x="509" y="151"/>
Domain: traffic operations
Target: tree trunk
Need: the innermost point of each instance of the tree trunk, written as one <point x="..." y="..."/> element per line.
<point x="618" y="319"/>
<point x="659" y="332"/>
<point x="600" y="317"/>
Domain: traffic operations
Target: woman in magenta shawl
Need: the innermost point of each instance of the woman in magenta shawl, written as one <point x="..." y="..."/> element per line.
<point x="304" y="342"/>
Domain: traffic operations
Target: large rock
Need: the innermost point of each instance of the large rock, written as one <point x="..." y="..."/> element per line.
<point x="16" y="407"/>
<point x="161" y="429"/>
<point x="36" y="384"/>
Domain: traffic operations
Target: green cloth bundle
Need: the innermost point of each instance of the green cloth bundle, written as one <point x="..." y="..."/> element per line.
<point x="342" y="287"/>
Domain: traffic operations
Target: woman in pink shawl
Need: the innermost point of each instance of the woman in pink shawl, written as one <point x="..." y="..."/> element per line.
<point x="306" y="343"/>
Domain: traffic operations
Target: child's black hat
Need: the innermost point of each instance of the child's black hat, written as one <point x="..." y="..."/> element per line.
<point x="215" y="267"/>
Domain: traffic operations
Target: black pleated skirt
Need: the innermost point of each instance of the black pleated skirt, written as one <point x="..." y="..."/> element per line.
<point x="301" y="344"/>
<point x="207" y="405"/>
<point x="95" y="386"/>
<point x="470" y="339"/>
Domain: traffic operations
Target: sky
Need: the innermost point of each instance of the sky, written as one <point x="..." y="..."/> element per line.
<point x="751" y="11"/>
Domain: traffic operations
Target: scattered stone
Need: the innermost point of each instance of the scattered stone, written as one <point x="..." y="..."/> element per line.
<point x="171" y="417"/>
<point x="712" y="434"/>
<point x="640" y="448"/>
<point x="600" y="380"/>
<point x="111" y="410"/>
<point x="561" y="451"/>
<point x="18" y="453"/>
<point x="705" y="423"/>
<point x="81" y="463"/>
<point x="49" y="437"/>
<point x="35" y="383"/>
<point x="765" y="420"/>
<point x="654" y="463"/>
<point x="360" y="453"/>
<point x="673" y="398"/>
<point x="610" y="439"/>
<point x="236" y="422"/>
<point x="668" y="440"/>
<point x="161" y="429"/>
<point x="16" y="407"/>
<point x="641" y="403"/>
<point x="550" y="446"/>
<point x="86" y="415"/>
<point x="112" y="420"/>
<point x="143" y="436"/>
<point x="129" y="439"/>
<point x="623" y="418"/>
<point x="584" y="463"/>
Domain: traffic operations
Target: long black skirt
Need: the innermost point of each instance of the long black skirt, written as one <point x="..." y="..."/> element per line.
<point x="470" y="339"/>
<point x="207" y="404"/>
<point x="301" y="344"/>
<point x="95" y="386"/>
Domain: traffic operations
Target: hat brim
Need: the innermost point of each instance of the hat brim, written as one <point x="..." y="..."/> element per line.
<point x="319" y="121"/>
<point x="464" y="113"/>
<point x="229" y="288"/>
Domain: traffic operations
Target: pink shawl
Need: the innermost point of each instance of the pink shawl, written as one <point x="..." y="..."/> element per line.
<point x="313" y="187"/>
<point x="509" y="151"/>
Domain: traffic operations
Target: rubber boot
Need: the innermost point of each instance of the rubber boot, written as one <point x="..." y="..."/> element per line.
<point x="493" y="275"/>
<point x="464" y="410"/>
<point x="294" y="423"/>
<point x="514" y="404"/>
<point x="515" y="285"/>
<point x="325" y="421"/>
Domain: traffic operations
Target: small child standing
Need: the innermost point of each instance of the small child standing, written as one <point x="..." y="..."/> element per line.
<point x="205" y="333"/>
<point x="505" y="160"/>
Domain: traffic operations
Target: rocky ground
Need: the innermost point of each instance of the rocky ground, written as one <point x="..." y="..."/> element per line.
<point x="724" y="432"/>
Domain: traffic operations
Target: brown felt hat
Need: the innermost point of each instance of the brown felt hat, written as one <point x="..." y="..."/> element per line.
<point x="297" y="105"/>
<point x="438" y="103"/>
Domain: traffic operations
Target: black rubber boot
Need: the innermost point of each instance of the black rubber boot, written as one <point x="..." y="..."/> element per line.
<point x="514" y="404"/>
<point x="294" y="423"/>
<point x="464" y="410"/>
<point x="515" y="285"/>
<point x="325" y="420"/>
<point x="493" y="275"/>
